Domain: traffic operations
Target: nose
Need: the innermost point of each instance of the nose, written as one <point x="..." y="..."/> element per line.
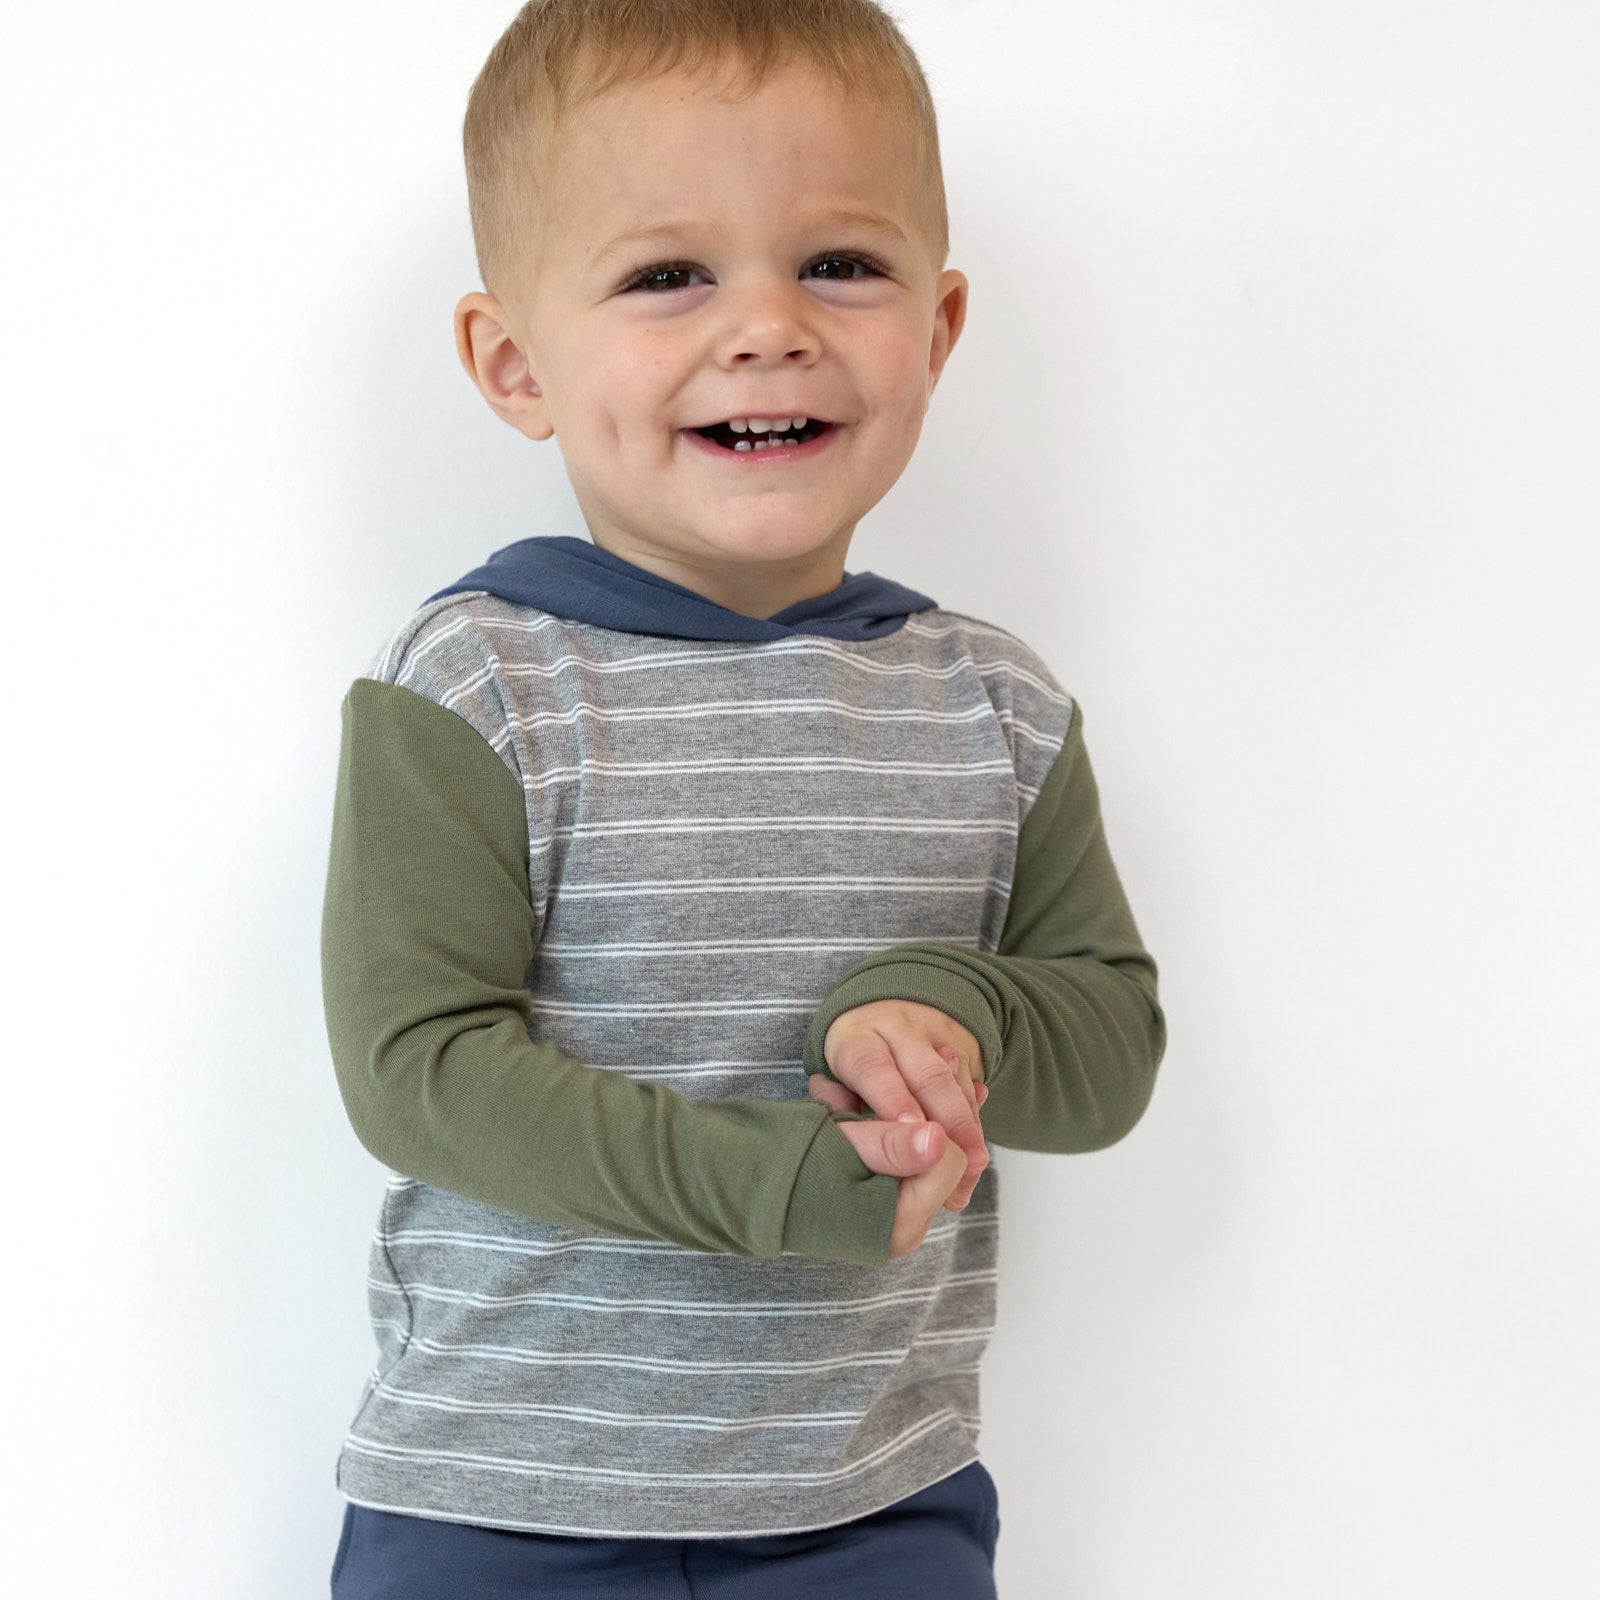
<point x="769" y="322"/>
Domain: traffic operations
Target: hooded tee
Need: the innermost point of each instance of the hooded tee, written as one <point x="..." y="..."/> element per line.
<point x="608" y="859"/>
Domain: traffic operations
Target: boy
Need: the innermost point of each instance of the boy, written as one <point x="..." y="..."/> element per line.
<point x="660" y="862"/>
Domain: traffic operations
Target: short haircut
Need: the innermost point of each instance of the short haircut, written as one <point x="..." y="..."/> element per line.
<point x="557" y="54"/>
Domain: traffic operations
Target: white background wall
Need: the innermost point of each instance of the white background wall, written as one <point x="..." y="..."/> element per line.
<point x="1273" y="428"/>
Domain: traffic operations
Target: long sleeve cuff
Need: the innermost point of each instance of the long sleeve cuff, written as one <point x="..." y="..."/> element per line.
<point x="839" y="1206"/>
<point x="932" y="981"/>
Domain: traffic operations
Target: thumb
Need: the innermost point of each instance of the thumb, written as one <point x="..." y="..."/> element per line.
<point x="892" y="1146"/>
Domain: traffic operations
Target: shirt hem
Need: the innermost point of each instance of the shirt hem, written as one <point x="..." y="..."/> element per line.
<point x="369" y="1489"/>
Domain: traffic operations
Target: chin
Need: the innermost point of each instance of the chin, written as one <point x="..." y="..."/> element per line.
<point x="759" y="543"/>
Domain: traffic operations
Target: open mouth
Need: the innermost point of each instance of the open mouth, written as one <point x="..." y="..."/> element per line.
<point x="775" y="439"/>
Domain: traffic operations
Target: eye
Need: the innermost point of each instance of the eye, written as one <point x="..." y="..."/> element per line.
<point x="646" y="276"/>
<point x="858" y="259"/>
<point x="650" y="278"/>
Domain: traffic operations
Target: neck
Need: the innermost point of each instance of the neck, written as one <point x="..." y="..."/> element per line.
<point x="752" y="591"/>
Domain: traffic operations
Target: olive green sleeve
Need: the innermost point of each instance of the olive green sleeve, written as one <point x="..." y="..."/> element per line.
<point x="1066" y="1009"/>
<point x="428" y="931"/>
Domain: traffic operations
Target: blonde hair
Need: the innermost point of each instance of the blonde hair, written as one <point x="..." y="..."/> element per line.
<point x="557" y="54"/>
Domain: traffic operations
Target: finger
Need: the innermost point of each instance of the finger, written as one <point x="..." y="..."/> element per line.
<point x="977" y="1159"/>
<point x="920" y="1199"/>
<point x="963" y="1074"/>
<point x="865" y="1063"/>
<point x="938" y="1082"/>
<point x="958" y="1114"/>
<point x="834" y="1094"/>
<point x="964" y="1190"/>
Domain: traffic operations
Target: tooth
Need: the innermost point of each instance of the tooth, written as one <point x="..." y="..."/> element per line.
<point x="759" y="426"/>
<point x="800" y="422"/>
<point x="738" y="424"/>
<point x="744" y="444"/>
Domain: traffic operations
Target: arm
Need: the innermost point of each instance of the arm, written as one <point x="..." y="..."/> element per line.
<point x="1065" y="1010"/>
<point x="428" y="931"/>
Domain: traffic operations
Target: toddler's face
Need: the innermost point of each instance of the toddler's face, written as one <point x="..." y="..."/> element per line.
<point x="702" y="261"/>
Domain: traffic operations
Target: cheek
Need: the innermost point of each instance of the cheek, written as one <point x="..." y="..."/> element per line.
<point x="894" y="359"/>
<point x="596" y="410"/>
<point x="628" y="389"/>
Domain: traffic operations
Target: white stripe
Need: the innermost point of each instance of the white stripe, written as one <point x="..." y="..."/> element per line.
<point x="618" y="1419"/>
<point x="674" y="1071"/>
<point x="915" y="623"/>
<point x="622" y="1419"/>
<point x="605" y="1244"/>
<point x="688" y="1308"/>
<point x="786" y="1071"/>
<point x="630" y="1363"/>
<point x="1007" y="719"/>
<point x="554" y="777"/>
<point x="956" y="1335"/>
<point x="695" y="658"/>
<point x="632" y="827"/>
<point x="461" y="1458"/>
<point x="778" y="1005"/>
<point x="590" y="891"/>
<point x="510" y="719"/>
<point x="695" y="711"/>
<point x="1045" y="741"/>
<point x="762" y="764"/>
<point x="669" y="824"/>
<point x="663" y="947"/>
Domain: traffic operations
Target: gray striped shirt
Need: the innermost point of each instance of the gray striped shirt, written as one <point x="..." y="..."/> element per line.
<point x="717" y="832"/>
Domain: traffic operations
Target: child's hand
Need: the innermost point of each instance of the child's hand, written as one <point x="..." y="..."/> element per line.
<point x="905" y="1061"/>
<point x="927" y="1177"/>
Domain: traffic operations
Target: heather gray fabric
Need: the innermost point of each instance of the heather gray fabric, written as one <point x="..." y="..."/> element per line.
<point x="718" y="832"/>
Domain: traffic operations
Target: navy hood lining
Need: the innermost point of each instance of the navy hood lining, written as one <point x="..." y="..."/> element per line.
<point x="570" y="577"/>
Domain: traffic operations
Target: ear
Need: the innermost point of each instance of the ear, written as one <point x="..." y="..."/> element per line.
<point x="495" y="363"/>
<point x="949" y="314"/>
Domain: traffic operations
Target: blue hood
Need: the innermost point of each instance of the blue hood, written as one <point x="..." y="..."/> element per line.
<point x="573" y="578"/>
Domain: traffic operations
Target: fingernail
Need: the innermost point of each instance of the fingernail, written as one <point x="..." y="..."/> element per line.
<point x="922" y="1139"/>
<point x="908" y="1116"/>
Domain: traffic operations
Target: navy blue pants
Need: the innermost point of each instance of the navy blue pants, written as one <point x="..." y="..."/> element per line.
<point x="939" y="1542"/>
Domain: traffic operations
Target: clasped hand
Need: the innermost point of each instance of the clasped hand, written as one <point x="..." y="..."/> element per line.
<point x="910" y="1063"/>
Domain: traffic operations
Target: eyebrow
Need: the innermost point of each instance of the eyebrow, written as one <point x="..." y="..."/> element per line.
<point x="625" y="242"/>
